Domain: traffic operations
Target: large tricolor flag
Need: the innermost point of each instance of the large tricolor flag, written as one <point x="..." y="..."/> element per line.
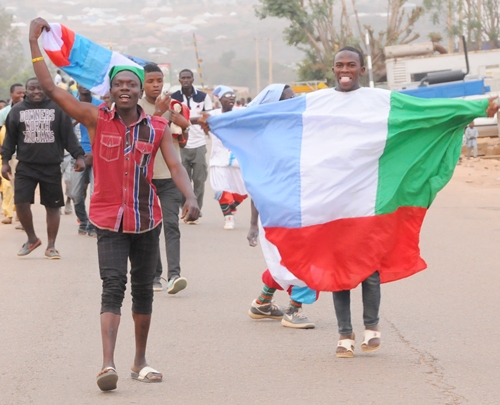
<point x="343" y="180"/>
<point x="82" y="59"/>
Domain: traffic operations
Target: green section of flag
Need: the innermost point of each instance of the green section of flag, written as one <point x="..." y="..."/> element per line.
<point x="423" y="146"/>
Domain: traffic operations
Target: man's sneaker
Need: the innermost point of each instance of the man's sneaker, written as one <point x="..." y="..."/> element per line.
<point x="294" y="318"/>
<point x="229" y="222"/>
<point x="7" y="221"/>
<point x="261" y="311"/>
<point x="176" y="284"/>
<point x="157" y="286"/>
<point x="93" y="233"/>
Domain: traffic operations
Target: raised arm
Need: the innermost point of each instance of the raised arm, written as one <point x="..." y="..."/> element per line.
<point x="85" y="113"/>
<point x="190" y="211"/>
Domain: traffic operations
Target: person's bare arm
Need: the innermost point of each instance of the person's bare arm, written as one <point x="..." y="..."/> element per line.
<point x="253" y="232"/>
<point x="179" y="120"/>
<point x="85" y="113"/>
<point x="202" y="122"/>
<point x="492" y="108"/>
<point x="190" y="211"/>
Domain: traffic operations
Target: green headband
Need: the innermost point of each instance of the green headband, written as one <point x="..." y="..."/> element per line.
<point x="139" y="72"/>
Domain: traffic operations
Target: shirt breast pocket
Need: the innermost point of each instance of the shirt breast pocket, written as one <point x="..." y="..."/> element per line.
<point x="110" y="147"/>
<point x="142" y="152"/>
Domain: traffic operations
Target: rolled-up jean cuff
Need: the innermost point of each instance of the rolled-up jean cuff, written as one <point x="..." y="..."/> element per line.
<point x="116" y="311"/>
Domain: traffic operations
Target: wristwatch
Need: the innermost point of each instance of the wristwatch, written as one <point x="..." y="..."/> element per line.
<point x="187" y="129"/>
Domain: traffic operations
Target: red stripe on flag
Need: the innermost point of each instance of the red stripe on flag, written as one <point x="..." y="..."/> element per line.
<point x="341" y="254"/>
<point x="61" y="58"/>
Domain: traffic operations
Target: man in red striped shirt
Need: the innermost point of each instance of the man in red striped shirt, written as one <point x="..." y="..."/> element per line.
<point x="124" y="207"/>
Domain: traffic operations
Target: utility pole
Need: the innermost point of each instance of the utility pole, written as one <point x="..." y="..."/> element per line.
<point x="450" y="24"/>
<point x="480" y="28"/>
<point x="257" y="64"/>
<point x="369" y="59"/>
<point x="270" y="43"/>
<point x="198" y="61"/>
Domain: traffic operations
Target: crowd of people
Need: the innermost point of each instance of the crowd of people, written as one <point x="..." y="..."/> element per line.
<point x="53" y="132"/>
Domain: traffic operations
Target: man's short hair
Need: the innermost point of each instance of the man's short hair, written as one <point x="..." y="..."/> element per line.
<point x="13" y="87"/>
<point x="152" y="67"/>
<point x="186" y="71"/>
<point x="30" y="79"/>
<point x="355" y="50"/>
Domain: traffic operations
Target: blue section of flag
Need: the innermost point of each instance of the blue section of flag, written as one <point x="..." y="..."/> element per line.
<point x="255" y="135"/>
<point x="89" y="62"/>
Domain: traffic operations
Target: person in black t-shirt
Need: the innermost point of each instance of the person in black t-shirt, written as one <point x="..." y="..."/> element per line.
<point x="39" y="131"/>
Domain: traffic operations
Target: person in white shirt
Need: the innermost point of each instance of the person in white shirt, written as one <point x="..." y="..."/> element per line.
<point x="471" y="139"/>
<point x="225" y="174"/>
<point x="58" y="78"/>
<point x="193" y="156"/>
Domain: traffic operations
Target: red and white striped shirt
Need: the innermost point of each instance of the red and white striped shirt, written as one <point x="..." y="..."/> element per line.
<point x="123" y="168"/>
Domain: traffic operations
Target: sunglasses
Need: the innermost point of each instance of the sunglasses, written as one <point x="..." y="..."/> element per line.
<point x="229" y="95"/>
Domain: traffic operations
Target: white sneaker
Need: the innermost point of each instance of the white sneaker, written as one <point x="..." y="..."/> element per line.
<point x="229" y="222"/>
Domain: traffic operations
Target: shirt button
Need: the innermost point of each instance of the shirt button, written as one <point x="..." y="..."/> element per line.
<point x="126" y="173"/>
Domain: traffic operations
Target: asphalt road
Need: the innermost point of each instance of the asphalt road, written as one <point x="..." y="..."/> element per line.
<point x="440" y="328"/>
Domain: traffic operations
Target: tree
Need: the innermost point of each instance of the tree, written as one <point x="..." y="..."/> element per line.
<point x="478" y="20"/>
<point x="226" y="58"/>
<point x="312" y="29"/>
<point x="319" y="31"/>
<point x="399" y="31"/>
<point x="11" y="53"/>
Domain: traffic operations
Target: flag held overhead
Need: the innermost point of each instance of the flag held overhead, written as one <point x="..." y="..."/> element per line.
<point x="85" y="61"/>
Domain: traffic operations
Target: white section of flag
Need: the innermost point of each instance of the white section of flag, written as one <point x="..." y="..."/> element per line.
<point x="273" y="260"/>
<point x="52" y="40"/>
<point x="344" y="135"/>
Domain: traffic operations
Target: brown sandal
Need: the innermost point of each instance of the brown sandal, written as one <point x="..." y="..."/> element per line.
<point x="28" y="248"/>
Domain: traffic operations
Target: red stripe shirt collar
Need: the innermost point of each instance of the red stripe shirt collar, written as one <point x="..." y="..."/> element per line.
<point x="142" y="115"/>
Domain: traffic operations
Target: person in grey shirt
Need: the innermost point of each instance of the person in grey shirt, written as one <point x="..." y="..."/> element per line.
<point x="471" y="139"/>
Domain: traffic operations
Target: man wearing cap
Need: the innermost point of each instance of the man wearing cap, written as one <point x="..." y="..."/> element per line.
<point x="124" y="207"/>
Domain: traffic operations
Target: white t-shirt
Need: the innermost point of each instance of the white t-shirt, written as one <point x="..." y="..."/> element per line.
<point x="220" y="156"/>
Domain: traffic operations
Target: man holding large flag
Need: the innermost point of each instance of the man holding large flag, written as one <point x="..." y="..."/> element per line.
<point x="124" y="207"/>
<point x="342" y="179"/>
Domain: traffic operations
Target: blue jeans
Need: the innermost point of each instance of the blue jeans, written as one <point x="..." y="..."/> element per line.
<point x="371" y="305"/>
<point x="170" y="199"/>
<point x="79" y="183"/>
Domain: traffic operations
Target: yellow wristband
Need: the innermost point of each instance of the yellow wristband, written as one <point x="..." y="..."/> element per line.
<point x="40" y="58"/>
